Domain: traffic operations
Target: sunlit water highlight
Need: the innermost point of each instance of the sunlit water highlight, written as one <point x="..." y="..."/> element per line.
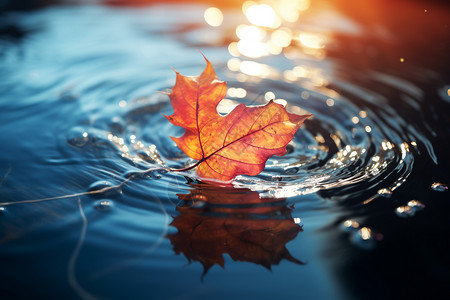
<point x="82" y="113"/>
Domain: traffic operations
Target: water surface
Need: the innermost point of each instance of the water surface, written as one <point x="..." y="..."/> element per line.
<point x="356" y="209"/>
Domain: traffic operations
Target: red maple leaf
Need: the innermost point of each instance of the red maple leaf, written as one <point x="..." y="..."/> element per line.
<point x="226" y="146"/>
<point x="233" y="221"/>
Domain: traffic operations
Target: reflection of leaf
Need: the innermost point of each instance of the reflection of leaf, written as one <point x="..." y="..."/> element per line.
<point x="216" y="221"/>
<point x="226" y="146"/>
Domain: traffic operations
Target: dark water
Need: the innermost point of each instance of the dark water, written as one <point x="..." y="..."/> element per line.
<point x="358" y="208"/>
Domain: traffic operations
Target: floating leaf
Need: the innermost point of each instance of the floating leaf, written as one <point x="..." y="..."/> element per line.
<point x="225" y="146"/>
<point x="215" y="221"/>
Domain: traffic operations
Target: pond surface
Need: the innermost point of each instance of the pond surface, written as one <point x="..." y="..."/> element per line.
<point x="357" y="209"/>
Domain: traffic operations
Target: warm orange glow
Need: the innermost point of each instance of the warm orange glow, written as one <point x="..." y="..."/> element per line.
<point x="282" y="37"/>
<point x="252" y="49"/>
<point x="351" y="223"/>
<point x="253" y="33"/>
<point x="269" y="96"/>
<point x="274" y="49"/>
<point x="234" y="64"/>
<point x="281" y="102"/>
<point x="366" y="233"/>
<point x="254" y="69"/>
<point x="290" y="10"/>
<point x="213" y="16"/>
<point x="233" y="49"/>
<point x="262" y="15"/>
<point x="237" y="92"/>
<point x="312" y="40"/>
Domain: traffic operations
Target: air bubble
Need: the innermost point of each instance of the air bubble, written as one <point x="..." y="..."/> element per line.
<point x="163" y="171"/>
<point x="350" y="225"/>
<point x="290" y="147"/>
<point x="117" y="125"/>
<point x="134" y="174"/>
<point x="416" y="205"/>
<point x="103" y="205"/>
<point x="291" y="171"/>
<point x="198" y="204"/>
<point x="103" y="188"/>
<point x="77" y="137"/>
<point x="276" y="178"/>
<point x="366" y="238"/>
<point x="199" y="197"/>
<point x="2" y="210"/>
<point x="405" y="211"/>
<point x="143" y="154"/>
<point x="439" y="187"/>
<point x="387" y="193"/>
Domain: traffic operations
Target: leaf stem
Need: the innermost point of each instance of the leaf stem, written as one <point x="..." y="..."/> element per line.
<point x="188" y="168"/>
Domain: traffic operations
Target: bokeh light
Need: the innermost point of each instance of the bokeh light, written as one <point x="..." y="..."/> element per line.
<point x="213" y="16"/>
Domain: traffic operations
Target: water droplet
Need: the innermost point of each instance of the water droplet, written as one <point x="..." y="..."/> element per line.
<point x="439" y="187"/>
<point x="416" y="205"/>
<point x="199" y="197"/>
<point x="290" y="147"/>
<point x="134" y="174"/>
<point x="103" y="188"/>
<point x="145" y="155"/>
<point x="198" y="204"/>
<point x="117" y="125"/>
<point x="77" y="137"/>
<point x="405" y="211"/>
<point x="276" y="178"/>
<point x="291" y="171"/>
<point x="67" y="96"/>
<point x="387" y="193"/>
<point x="350" y="225"/>
<point x="365" y="238"/>
<point x="103" y="205"/>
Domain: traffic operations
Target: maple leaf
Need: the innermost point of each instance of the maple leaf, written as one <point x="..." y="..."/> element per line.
<point x="226" y="146"/>
<point x="226" y="224"/>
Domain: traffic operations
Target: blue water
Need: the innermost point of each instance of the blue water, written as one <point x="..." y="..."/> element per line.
<point x="80" y="110"/>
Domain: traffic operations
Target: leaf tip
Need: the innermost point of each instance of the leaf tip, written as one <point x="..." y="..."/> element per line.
<point x="207" y="61"/>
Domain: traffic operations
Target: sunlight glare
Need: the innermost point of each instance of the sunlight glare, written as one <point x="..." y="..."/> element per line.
<point x="262" y="15"/>
<point x="250" y="32"/>
<point x="269" y="96"/>
<point x="213" y="16"/>
<point x="290" y="10"/>
<point x="282" y="37"/>
<point x="312" y="40"/>
<point x="254" y="69"/>
<point x="281" y="102"/>
<point x="233" y="49"/>
<point x="252" y="49"/>
<point x="234" y="64"/>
